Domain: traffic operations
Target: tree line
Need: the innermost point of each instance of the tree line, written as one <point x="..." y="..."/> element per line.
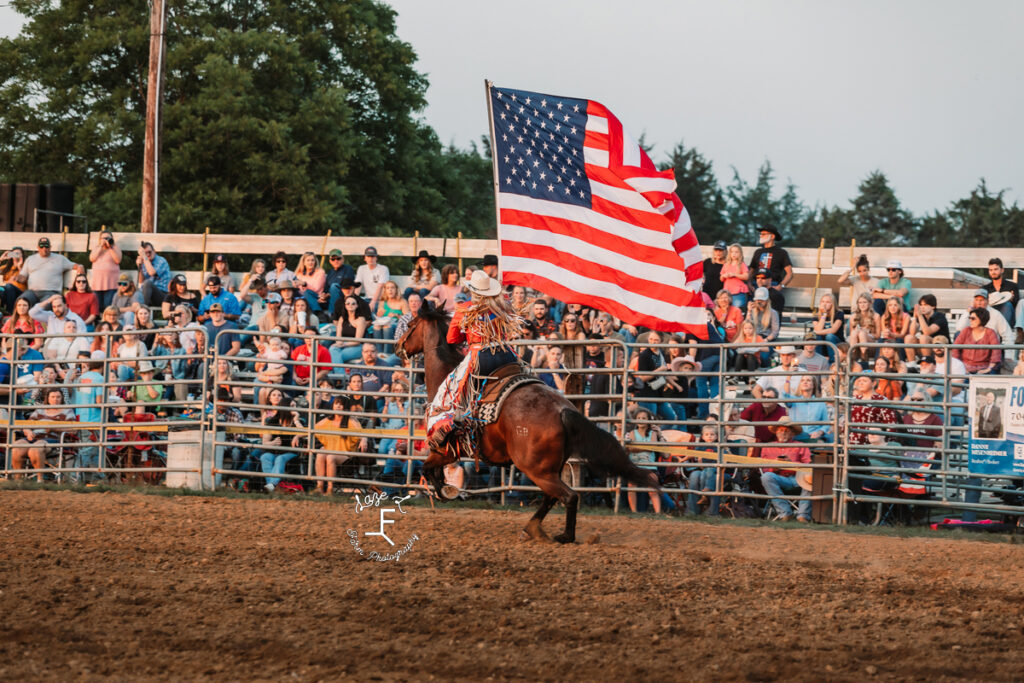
<point x="299" y="117"/>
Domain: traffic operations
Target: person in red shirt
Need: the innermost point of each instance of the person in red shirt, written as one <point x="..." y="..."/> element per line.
<point x="486" y="323"/>
<point x="768" y="410"/>
<point x="302" y="355"/>
<point x="777" y="480"/>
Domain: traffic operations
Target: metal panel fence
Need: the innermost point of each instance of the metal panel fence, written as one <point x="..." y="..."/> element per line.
<point x="342" y="414"/>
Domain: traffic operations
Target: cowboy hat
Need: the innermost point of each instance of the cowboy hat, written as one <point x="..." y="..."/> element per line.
<point x="772" y="229"/>
<point x="786" y="421"/>
<point x="997" y="298"/>
<point x="803" y="480"/>
<point x="482" y="284"/>
<point x="679" y="361"/>
<point x="424" y="254"/>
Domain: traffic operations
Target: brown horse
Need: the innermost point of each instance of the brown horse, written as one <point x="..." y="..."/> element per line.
<point x="538" y="430"/>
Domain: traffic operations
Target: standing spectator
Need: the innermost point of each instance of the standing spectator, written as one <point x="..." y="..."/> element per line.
<point x="43" y="272"/>
<point x="713" y="268"/>
<point x="735" y="277"/>
<point x="227" y="344"/>
<point x="216" y="294"/>
<point x="777" y="480"/>
<point x="155" y="272"/>
<point x="424" y="275"/>
<point x="895" y="287"/>
<point x="644" y="432"/>
<point x="339" y="272"/>
<point x="220" y="268"/>
<point x="551" y="371"/>
<point x="309" y="272"/>
<point x="444" y="294"/>
<point x="87" y="380"/>
<point x="863" y="283"/>
<point x="978" y="360"/>
<point x="864" y="323"/>
<point x="127" y="300"/>
<point x="1003" y="294"/>
<point x="82" y="301"/>
<point x="106" y="268"/>
<point x="925" y="324"/>
<point x="772" y="258"/>
<point x="178" y="294"/>
<point x="371" y="276"/>
<point x="280" y="273"/>
<point x="10" y="268"/>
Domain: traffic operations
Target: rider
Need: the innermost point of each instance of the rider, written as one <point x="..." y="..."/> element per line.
<point x="487" y="323"/>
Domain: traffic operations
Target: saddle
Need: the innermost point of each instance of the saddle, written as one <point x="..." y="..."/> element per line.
<point x="493" y="389"/>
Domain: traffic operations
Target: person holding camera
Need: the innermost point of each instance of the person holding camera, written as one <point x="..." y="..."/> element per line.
<point x="106" y="268"/>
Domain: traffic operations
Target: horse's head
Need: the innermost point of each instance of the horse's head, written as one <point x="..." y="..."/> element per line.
<point x="411" y="341"/>
<point x="425" y="330"/>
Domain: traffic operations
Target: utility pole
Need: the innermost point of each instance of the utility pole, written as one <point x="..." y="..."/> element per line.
<point x="154" y="96"/>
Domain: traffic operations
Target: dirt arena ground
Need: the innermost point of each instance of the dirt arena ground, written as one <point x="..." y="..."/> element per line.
<point x="123" y="585"/>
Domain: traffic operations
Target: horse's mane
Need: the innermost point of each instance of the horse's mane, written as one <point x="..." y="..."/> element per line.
<point x="438" y="317"/>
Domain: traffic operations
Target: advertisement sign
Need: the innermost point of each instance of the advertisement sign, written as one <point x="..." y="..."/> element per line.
<point x="996" y="425"/>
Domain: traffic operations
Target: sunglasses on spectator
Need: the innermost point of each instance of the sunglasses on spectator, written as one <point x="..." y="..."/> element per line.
<point x="79" y="280"/>
<point x="570" y="320"/>
<point x="335" y="258"/>
<point x="280" y="260"/>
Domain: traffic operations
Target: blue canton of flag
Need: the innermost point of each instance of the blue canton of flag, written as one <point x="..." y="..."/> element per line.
<point x="539" y="146"/>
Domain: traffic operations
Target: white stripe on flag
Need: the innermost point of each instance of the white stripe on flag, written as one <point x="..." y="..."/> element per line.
<point x="652" y="184"/>
<point x="595" y="254"/>
<point x="691" y="256"/>
<point x="595" y="157"/>
<point x="622" y="197"/>
<point x="686" y="315"/>
<point x="580" y="214"/>
<point x="597" y="124"/>
<point x="630" y="150"/>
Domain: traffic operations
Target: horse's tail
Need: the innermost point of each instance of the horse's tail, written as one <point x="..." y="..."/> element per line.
<point x="601" y="450"/>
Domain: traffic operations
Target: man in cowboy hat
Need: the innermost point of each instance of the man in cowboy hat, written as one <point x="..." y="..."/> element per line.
<point x="487" y="324"/>
<point x="772" y="258"/>
<point x="778" y="480"/>
<point x="490" y="266"/>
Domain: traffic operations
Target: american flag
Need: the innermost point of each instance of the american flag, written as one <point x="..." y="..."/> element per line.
<point x="586" y="217"/>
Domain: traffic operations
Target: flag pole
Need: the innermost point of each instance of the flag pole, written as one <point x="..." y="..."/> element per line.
<point x="494" y="166"/>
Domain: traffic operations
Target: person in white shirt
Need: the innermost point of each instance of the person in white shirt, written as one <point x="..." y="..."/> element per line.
<point x="784" y="378"/>
<point x="371" y="276"/>
<point x="53" y="320"/>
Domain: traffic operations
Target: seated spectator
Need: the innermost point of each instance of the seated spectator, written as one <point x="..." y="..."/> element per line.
<point x="728" y="315"/>
<point x="216" y="294"/>
<point x="763" y="280"/>
<point x="179" y="294"/>
<point x="996" y="323"/>
<point x="868" y="408"/>
<point x="144" y="324"/>
<point x="890" y="388"/>
<point x="550" y="367"/>
<point x="371" y="275"/>
<point x="303" y="356"/>
<point x="396" y="407"/>
<point x="647" y="386"/>
<point x="643" y="432"/>
<point x="895" y="287"/>
<point x="748" y="358"/>
<point x="864" y="324"/>
<point x="1003" y="294"/>
<point x="219" y="332"/>
<point x="389" y="309"/>
<point x="35" y="444"/>
<point x="347" y="290"/>
<point x="358" y="397"/>
<point x="768" y="410"/>
<point x="351" y="327"/>
<point x="783" y="378"/>
<point x="66" y="349"/>
<point x="584" y="314"/>
<point x="280" y="273"/>
<point x="414" y="303"/>
<point x="809" y="359"/>
<point x="147" y="394"/>
<point x="21" y="321"/>
<point x="276" y="416"/>
<point x="735" y="277"/>
<point x="258" y="269"/>
<point x="156" y="275"/>
<point x="445" y="293"/>
<point x="223" y="382"/>
<point x="27" y="361"/>
<point x="303" y="322"/>
<point x="273" y="320"/>
<point x="803" y="409"/>
<point x="47" y="378"/>
<point x="43" y="273"/>
<point x="164" y="344"/>
<point x="336" y="444"/>
<point x="220" y="268"/>
<point x="984" y="361"/>
<point x="10" y="267"/>
<point x="894" y="324"/>
<point x="376" y="370"/>
<point x="521" y="302"/>
<point x="922" y="427"/>
<point x="424" y="275"/>
<point x="861" y="281"/>
<point x="126" y="301"/>
<point x="130" y="349"/>
<point x="765" y="318"/>
<point x="339" y="272"/>
<point x="925" y="324"/>
<point x="829" y="325"/>
<point x="777" y="481"/>
<point x="82" y="301"/>
<point x="314" y="277"/>
<point x="252" y="301"/>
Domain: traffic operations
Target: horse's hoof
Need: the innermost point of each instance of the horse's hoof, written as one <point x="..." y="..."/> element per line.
<point x="564" y="538"/>
<point x="449" y="492"/>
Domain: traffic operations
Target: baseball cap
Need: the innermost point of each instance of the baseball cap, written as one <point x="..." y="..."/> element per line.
<point x="927" y="359"/>
<point x="370" y="251"/>
<point x="721" y="245"/>
<point x="180" y="279"/>
<point x="274" y="298"/>
<point x="44" y="241"/>
<point x="335" y="252"/>
<point x="762" y="271"/>
<point x="213" y="280"/>
<point x="981" y="292"/>
<point x="218" y="257"/>
<point x="216" y="307"/>
<point x="761" y="294"/>
<point x="894" y="264"/>
<point x="124" y="279"/>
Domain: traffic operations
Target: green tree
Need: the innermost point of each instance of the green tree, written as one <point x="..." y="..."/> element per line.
<point x="749" y="207"/>
<point x="877" y="217"/>
<point x="984" y="219"/>
<point x="278" y="117"/>
<point x="702" y="196"/>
